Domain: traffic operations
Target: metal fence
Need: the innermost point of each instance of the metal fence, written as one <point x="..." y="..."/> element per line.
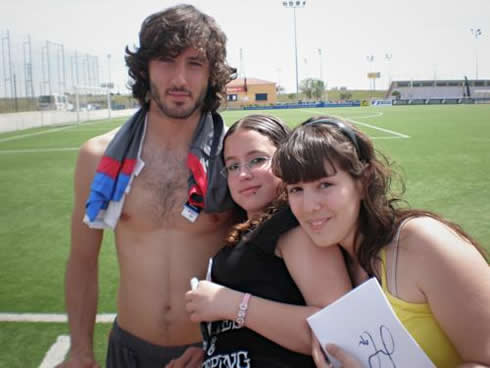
<point x="30" y="68"/>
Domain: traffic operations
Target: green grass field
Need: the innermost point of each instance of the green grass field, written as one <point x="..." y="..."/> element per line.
<point x="444" y="163"/>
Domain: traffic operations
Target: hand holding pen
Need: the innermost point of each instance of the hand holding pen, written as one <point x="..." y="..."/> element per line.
<point x="209" y="302"/>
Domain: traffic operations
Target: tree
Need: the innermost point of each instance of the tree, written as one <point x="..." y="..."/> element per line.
<point x="280" y="89"/>
<point x="345" y="95"/>
<point x="312" y="88"/>
<point x="396" y="94"/>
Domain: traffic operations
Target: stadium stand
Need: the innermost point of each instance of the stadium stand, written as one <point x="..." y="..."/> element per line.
<point x="418" y="92"/>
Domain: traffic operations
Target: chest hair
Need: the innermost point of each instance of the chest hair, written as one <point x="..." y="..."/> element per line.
<point x="164" y="181"/>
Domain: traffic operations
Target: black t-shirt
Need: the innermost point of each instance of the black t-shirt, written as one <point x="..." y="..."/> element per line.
<point x="251" y="266"/>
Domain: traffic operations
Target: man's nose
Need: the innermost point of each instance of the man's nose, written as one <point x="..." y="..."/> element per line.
<point x="180" y="75"/>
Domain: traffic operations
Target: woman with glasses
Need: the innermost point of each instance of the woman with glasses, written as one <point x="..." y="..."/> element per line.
<point x="271" y="276"/>
<point x="433" y="274"/>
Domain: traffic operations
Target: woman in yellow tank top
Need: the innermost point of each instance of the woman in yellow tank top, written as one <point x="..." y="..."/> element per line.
<point x="434" y="274"/>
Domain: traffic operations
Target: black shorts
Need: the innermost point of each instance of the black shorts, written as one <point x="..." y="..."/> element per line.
<point x="128" y="351"/>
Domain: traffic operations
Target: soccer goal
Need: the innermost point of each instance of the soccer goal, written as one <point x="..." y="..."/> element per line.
<point x="91" y="103"/>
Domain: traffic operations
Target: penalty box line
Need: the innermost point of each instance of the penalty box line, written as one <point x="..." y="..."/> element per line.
<point x="57" y="352"/>
<point x="400" y="135"/>
<point x="392" y="132"/>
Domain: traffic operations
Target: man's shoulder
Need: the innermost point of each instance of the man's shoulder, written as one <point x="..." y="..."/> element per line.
<point x="96" y="146"/>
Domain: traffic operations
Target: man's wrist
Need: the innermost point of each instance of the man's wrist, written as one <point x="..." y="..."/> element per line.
<point x="82" y="354"/>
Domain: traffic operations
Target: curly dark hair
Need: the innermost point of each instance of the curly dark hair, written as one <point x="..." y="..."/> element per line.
<point x="302" y="157"/>
<point x="169" y="32"/>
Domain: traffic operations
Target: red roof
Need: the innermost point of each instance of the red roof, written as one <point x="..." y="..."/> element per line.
<point x="250" y="81"/>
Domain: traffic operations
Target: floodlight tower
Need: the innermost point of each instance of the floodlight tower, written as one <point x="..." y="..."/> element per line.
<point x="321" y="71"/>
<point x="321" y="66"/>
<point x="370" y="59"/>
<point x="388" y="58"/>
<point x="109" y="79"/>
<point x="476" y="32"/>
<point x="295" y="4"/>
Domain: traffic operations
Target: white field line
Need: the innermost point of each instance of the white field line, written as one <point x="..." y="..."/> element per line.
<point x="54" y="130"/>
<point x="39" y="150"/>
<point x="360" y="116"/>
<point x="373" y="115"/>
<point x="400" y="135"/>
<point x="385" y="137"/>
<point x="15" y="137"/>
<point x="56" y="353"/>
<point x="376" y="114"/>
<point x="50" y="317"/>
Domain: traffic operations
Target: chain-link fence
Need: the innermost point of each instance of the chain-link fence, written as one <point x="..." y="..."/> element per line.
<point x="45" y="83"/>
<point x="31" y="68"/>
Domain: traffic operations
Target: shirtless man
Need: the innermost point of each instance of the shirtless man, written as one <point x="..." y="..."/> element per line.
<point x="179" y="75"/>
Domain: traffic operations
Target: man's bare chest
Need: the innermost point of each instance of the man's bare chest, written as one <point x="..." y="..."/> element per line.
<point x="157" y="197"/>
<point x="159" y="192"/>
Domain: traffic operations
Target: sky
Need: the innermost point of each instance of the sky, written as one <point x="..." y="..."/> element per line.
<point x="416" y="39"/>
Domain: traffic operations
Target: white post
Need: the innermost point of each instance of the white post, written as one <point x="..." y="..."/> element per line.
<point x="77" y="104"/>
<point x="109" y="108"/>
<point x="109" y="84"/>
<point x="296" y="52"/>
<point x="295" y="4"/>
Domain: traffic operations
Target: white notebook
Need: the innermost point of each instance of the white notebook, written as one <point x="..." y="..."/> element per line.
<point x="363" y="323"/>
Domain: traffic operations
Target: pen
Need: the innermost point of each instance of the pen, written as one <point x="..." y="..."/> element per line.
<point x="194" y="282"/>
<point x="325" y="355"/>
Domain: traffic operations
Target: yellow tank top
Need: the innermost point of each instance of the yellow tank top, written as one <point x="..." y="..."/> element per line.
<point x="421" y="324"/>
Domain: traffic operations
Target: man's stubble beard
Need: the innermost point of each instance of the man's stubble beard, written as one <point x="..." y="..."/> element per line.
<point x="176" y="113"/>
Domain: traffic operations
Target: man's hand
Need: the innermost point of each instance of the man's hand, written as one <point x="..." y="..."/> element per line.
<point x="192" y="358"/>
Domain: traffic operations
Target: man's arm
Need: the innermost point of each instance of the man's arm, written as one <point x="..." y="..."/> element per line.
<point x="81" y="282"/>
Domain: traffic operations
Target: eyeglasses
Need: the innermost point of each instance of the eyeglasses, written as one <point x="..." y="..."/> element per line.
<point x="257" y="163"/>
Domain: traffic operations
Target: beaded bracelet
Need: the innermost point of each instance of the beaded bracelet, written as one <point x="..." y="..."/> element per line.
<point x="242" y="311"/>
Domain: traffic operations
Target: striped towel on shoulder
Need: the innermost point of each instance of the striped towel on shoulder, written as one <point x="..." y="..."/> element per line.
<point x="121" y="162"/>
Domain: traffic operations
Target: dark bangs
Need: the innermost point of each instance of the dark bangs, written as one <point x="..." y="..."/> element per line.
<point x="300" y="158"/>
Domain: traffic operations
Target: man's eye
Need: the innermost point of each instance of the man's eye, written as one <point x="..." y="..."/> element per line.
<point x="165" y="59"/>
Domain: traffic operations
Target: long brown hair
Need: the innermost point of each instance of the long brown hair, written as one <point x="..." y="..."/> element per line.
<point x="167" y="34"/>
<point x="329" y="139"/>
<point x="277" y="132"/>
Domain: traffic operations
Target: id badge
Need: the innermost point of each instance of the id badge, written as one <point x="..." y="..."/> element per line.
<point x="190" y="212"/>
